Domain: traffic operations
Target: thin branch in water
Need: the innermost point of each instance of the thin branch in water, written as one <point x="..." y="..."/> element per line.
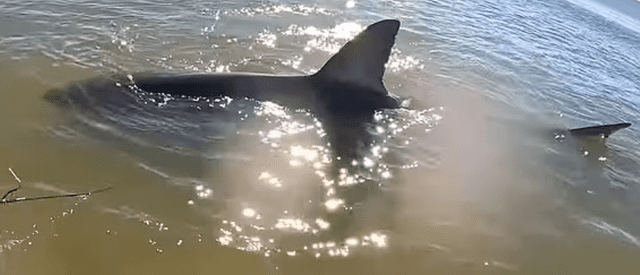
<point x="14" y="189"/>
<point x="5" y="200"/>
<point x="14" y="175"/>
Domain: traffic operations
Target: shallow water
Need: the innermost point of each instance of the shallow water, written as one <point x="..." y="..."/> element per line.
<point x="471" y="178"/>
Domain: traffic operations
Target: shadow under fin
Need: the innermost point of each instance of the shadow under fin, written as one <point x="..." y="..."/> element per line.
<point x="601" y="130"/>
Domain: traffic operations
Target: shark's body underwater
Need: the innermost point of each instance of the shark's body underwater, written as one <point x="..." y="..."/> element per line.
<point x="343" y="94"/>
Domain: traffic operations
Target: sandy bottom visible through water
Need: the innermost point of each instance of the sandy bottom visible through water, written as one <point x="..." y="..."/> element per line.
<point x="480" y="202"/>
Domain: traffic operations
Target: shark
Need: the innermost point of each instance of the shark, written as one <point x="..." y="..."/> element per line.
<point x="343" y="94"/>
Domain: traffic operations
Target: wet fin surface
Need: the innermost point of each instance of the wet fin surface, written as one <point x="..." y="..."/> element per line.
<point x="361" y="61"/>
<point x="601" y="130"/>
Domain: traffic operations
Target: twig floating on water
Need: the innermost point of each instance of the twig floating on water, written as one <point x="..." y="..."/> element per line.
<point x="4" y="198"/>
<point x="14" y="189"/>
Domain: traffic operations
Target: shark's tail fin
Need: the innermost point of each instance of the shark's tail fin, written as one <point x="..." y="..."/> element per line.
<point x="361" y="61"/>
<point x="601" y="130"/>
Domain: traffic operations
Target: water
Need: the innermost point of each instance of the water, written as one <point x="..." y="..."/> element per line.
<point x="469" y="179"/>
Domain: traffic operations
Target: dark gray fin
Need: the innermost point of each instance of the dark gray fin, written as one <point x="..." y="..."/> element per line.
<point x="601" y="130"/>
<point x="361" y="61"/>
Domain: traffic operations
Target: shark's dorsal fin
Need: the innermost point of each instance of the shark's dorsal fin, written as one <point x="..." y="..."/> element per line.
<point x="361" y="61"/>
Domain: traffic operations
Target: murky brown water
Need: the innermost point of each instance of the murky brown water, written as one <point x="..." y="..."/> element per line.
<point x="471" y="211"/>
<point x="470" y="179"/>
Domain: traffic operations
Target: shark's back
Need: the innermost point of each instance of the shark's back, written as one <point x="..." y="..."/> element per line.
<point x="352" y="78"/>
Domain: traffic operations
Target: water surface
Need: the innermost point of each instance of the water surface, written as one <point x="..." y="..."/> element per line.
<point x="470" y="178"/>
